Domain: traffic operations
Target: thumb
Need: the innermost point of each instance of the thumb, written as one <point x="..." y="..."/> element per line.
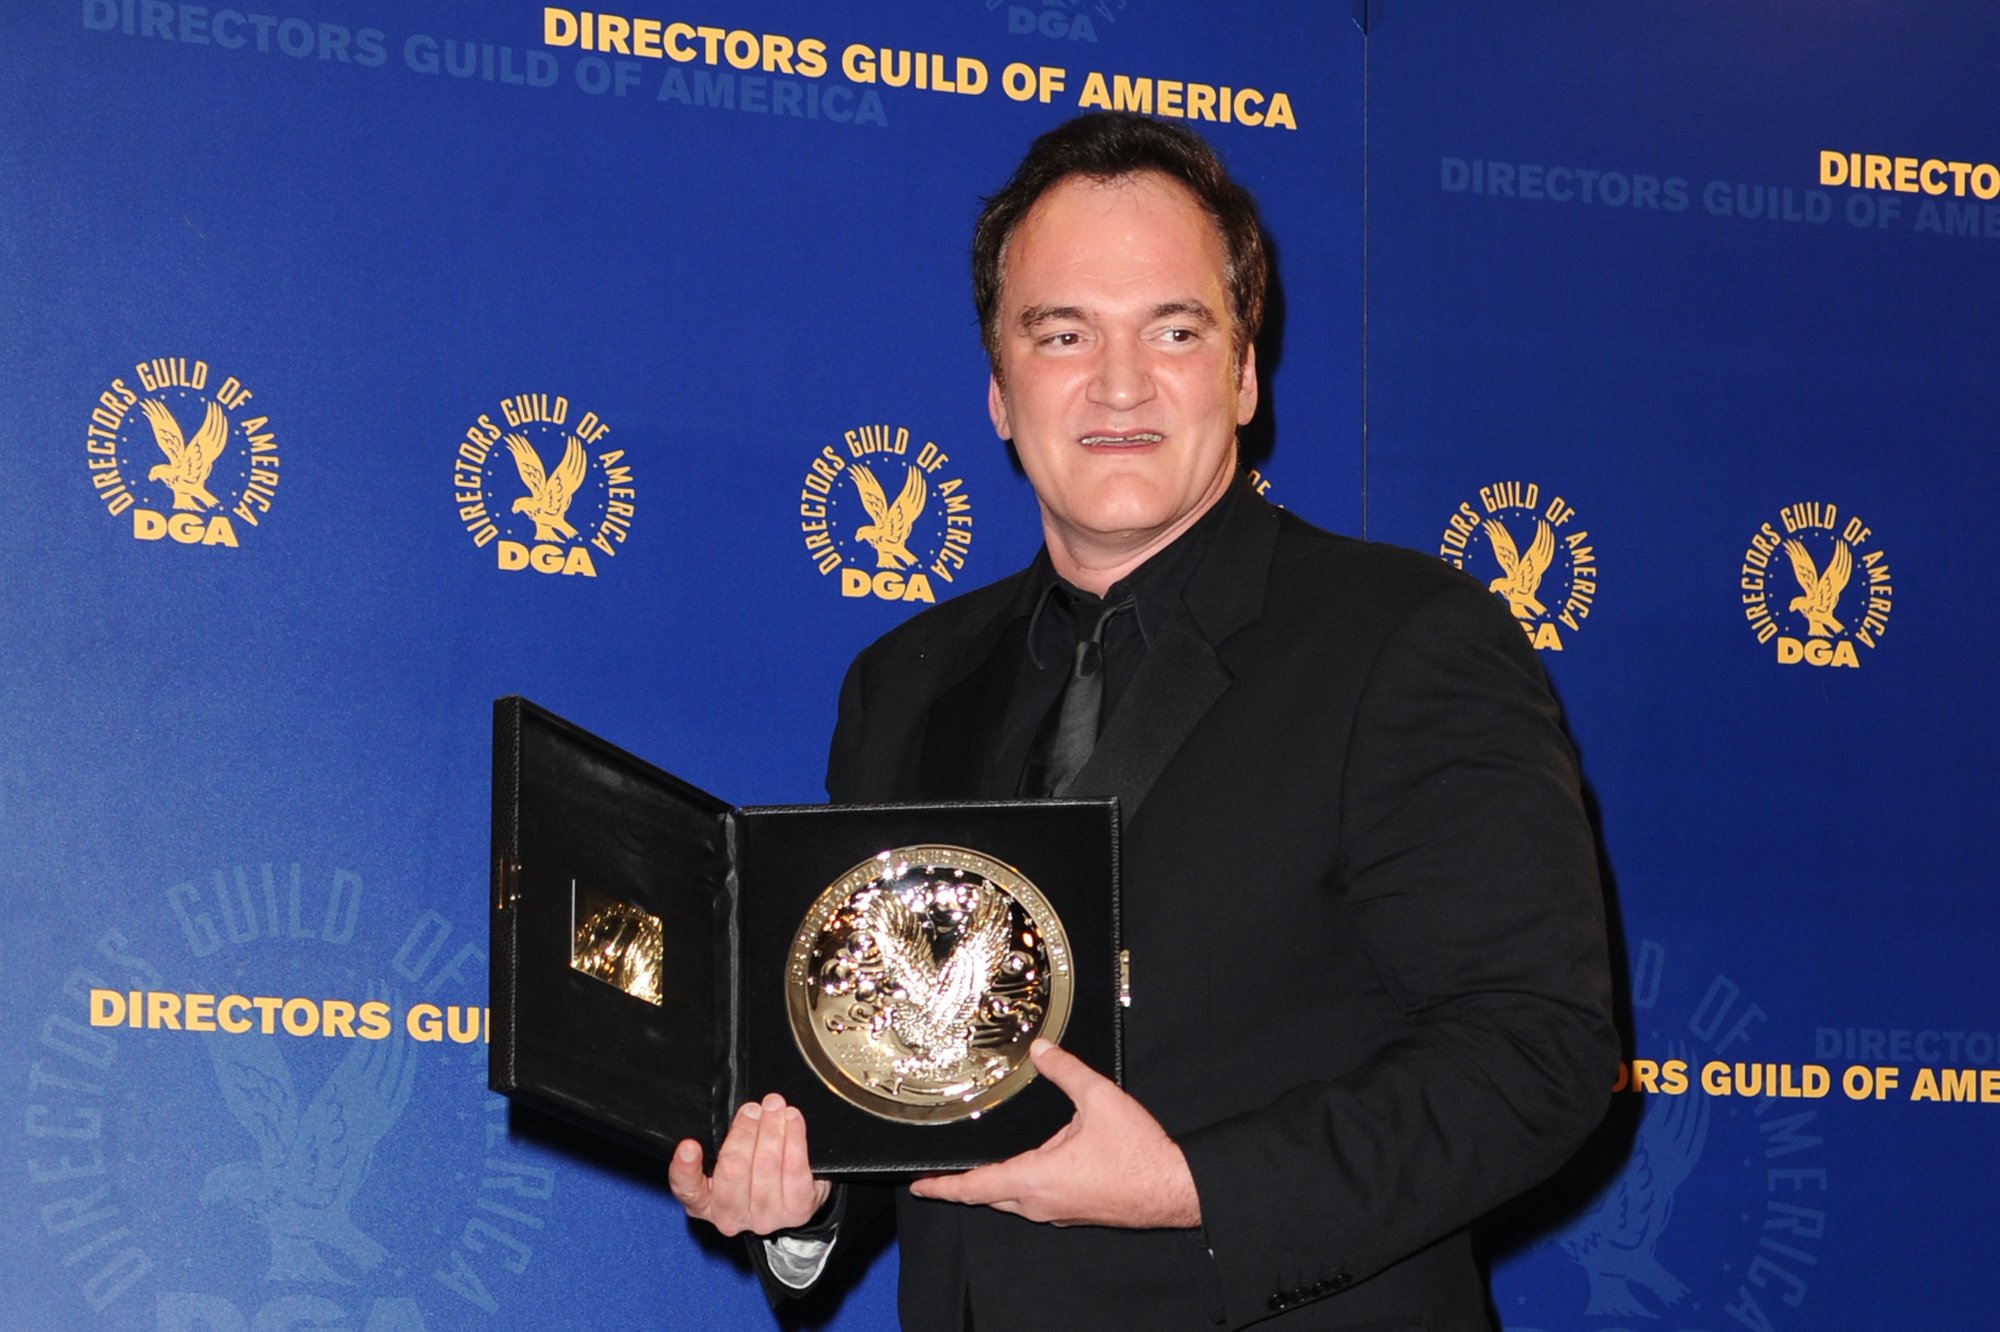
<point x="685" y="1178"/>
<point x="1071" y="1075"/>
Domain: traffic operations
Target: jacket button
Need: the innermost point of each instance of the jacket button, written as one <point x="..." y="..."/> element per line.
<point x="1278" y="1302"/>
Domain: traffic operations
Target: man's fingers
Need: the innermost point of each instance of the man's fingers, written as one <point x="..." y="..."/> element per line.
<point x="989" y="1184"/>
<point x="726" y="1193"/>
<point x="732" y="1159"/>
<point x="767" y="1164"/>
<point x="801" y="1190"/>
<point x="763" y="1175"/>
<point x="1009" y="1186"/>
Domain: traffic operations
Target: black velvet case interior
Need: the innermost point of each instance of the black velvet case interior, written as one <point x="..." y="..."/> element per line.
<point x="731" y="887"/>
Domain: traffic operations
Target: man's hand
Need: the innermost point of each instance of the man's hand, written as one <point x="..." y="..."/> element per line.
<point x="763" y="1179"/>
<point x="1111" y="1165"/>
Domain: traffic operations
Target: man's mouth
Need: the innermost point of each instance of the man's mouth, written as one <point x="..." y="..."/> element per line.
<point x="1136" y="437"/>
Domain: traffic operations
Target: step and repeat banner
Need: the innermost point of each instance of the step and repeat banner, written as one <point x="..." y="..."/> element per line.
<point x="370" y="359"/>
<point x="1682" y="335"/>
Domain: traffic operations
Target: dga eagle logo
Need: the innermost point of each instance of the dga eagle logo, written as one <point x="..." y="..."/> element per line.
<point x="548" y="497"/>
<point x="1830" y="590"/>
<point x="890" y="549"/>
<point x="190" y="464"/>
<point x="310" y="1163"/>
<point x="889" y="525"/>
<point x="1530" y="554"/>
<point x="526" y="486"/>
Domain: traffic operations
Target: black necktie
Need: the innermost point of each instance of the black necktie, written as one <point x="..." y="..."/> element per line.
<point x="1069" y="732"/>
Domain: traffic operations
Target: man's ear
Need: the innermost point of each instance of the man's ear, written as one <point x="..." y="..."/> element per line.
<point x="1246" y="386"/>
<point x="996" y="408"/>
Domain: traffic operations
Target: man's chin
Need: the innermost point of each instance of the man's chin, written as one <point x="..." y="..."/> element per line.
<point x="1126" y="523"/>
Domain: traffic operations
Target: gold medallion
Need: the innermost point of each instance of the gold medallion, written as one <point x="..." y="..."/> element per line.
<point x="919" y="978"/>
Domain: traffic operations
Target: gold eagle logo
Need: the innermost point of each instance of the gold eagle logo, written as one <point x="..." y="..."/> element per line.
<point x="548" y="498"/>
<point x="935" y="1001"/>
<point x="1521" y="575"/>
<point x="889" y="525"/>
<point x="1820" y="592"/>
<point x="188" y="464"/>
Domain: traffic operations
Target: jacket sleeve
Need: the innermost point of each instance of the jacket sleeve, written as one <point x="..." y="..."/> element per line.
<point x="1469" y="875"/>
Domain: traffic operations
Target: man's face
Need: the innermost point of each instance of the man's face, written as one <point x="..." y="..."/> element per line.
<point x="1117" y="381"/>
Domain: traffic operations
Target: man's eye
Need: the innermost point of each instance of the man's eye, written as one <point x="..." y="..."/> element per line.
<point x="1062" y="340"/>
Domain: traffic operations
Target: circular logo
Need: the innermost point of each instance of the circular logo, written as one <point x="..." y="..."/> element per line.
<point x="919" y="978"/>
<point x="885" y="514"/>
<point x="536" y="482"/>
<point x="1534" y="555"/>
<point x="1815" y="586"/>
<point x="180" y="450"/>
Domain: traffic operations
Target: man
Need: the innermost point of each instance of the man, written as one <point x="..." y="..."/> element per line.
<point x="1370" y="993"/>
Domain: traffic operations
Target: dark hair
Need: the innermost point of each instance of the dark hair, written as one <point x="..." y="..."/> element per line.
<point x="1108" y="145"/>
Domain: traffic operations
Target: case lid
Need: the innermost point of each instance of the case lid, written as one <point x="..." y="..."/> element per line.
<point x="580" y="829"/>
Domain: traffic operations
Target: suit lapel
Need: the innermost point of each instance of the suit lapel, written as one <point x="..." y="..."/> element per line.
<point x="1174" y="688"/>
<point x="962" y="726"/>
<point x="1183" y="675"/>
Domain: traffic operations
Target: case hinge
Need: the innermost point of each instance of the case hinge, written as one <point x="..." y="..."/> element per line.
<point x="506" y="882"/>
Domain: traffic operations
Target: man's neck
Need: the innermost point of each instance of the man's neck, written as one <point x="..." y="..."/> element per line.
<point x="1095" y="565"/>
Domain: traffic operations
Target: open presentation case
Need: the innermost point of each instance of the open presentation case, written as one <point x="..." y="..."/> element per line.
<point x="597" y="854"/>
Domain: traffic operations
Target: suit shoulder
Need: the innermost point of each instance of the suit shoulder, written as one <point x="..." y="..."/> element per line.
<point x="946" y="625"/>
<point x="1310" y="561"/>
<point x="1374" y="602"/>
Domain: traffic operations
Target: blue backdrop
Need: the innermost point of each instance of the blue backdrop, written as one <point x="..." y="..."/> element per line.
<point x="1674" y="321"/>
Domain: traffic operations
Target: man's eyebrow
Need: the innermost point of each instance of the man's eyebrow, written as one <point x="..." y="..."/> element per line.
<point x="1036" y="315"/>
<point x="1197" y="309"/>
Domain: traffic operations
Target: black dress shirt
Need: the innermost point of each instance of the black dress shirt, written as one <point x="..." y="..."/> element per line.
<point x="1154" y="588"/>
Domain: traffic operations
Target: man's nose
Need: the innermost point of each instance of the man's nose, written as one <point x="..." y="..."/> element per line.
<point x="1123" y="379"/>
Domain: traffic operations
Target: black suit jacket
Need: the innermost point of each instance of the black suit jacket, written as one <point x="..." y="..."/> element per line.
<point x="1370" y="996"/>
